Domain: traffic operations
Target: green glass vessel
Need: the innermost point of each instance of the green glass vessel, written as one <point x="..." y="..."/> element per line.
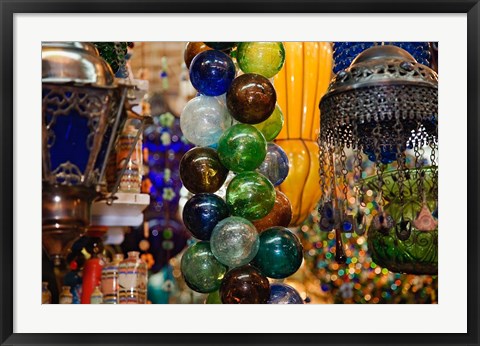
<point x="250" y="195"/>
<point x="201" y="270"/>
<point x="242" y="148"/>
<point x="405" y="248"/>
<point x="265" y="58"/>
<point x="280" y="253"/>
<point x="271" y="127"/>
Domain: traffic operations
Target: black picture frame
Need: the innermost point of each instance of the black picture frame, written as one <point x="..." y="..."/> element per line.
<point x="9" y="8"/>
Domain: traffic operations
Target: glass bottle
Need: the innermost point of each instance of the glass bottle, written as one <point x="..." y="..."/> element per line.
<point x="92" y="271"/>
<point x="66" y="297"/>
<point x="109" y="284"/>
<point x="132" y="279"/>
<point x="97" y="296"/>
<point x="132" y="176"/>
<point x="46" y="294"/>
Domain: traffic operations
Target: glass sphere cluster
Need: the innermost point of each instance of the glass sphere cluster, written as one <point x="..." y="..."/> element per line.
<point x="243" y="239"/>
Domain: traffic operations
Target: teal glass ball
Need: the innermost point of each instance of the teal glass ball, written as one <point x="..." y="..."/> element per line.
<point x="280" y="253"/>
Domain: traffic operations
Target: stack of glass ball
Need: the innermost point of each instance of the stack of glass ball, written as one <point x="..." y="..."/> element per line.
<point x="243" y="239"/>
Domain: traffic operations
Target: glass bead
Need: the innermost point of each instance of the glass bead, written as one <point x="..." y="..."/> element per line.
<point x="242" y="148"/>
<point x="202" y="171"/>
<point x="204" y="119"/>
<point x="271" y="127"/>
<point x="275" y="166"/>
<point x="284" y="294"/>
<point x="280" y="253"/>
<point x="201" y="270"/>
<point x="280" y="215"/>
<point x="201" y="214"/>
<point x="250" y="195"/>
<point x="251" y="98"/>
<point x="212" y="72"/>
<point x="234" y="241"/>
<point x="244" y="285"/>
<point x="265" y="58"/>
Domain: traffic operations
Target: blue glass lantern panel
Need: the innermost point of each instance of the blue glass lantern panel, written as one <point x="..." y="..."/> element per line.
<point x="69" y="140"/>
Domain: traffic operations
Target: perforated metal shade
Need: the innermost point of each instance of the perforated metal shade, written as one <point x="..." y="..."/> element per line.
<point x="380" y="115"/>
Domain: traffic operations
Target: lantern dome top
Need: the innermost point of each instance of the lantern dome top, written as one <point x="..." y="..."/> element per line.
<point x="383" y="65"/>
<point x="75" y="62"/>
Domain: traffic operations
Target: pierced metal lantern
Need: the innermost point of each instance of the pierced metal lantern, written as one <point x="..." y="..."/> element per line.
<point x="379" y="158"/>
<point x="83" y="108"/>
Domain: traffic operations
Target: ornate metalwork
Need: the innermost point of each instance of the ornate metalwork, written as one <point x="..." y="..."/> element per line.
<point x="380" y="116"/>
<point x="82" y="110"/>
<point x="64" y="100"/>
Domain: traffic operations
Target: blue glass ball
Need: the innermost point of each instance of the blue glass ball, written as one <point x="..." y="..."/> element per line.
<point x="284" y="294"/>
<point x="212" y="72"/>
<point x="201" y="214"/>
<point x="275" y="165"/>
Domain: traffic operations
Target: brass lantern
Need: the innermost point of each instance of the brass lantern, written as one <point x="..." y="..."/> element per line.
<point x="379" y="158"/>
<point x="82" y="110"/>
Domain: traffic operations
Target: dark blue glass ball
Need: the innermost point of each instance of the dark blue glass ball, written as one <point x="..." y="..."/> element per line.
<point x="202" y="212"/>
<point x="212" y="72"/>
<point x="283" y="294"/>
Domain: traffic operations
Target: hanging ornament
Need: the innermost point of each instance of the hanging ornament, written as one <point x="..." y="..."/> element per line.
<point x="204" y="119"/>
<point x="227" y="168"/>
<point x="251" y="98"/>
<point x="280" y="253"/>
<point x="275" y="166"/>
<point x="242" y="148"/>
<point x="202" y="171"/>
<point x="234" y="241"/>
<point x="244" y="285"/>
<point x="264" y="58"/>
<point x="280" y="215"/>
<point x="201" y="270"/>
<point x="378" y="147"/>
<point x="202" y="213"/>
<point x="300" y="85"/>
<point x="284" y="294"/>
<point x="271" y="127"/>
<point x="250" y="195"/>
<point x="212" y="72"/>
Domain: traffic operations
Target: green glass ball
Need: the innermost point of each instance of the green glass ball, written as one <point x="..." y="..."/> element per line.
<point x="280" y="253"/>
<point x="242" y="148"/>
<point x="271" y="127"/>
<point x="250" y="195"/>
<point x="201" y="270"/>
<point x="265" y="58"/>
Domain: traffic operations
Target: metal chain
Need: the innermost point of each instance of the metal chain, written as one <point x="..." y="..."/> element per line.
<point x="343" y="165"/>
<point x="419" y="174"/>
<point x="321" y="169"/>
<point x="378" y="163"/>
<point x="433" y="158"/>
<point x="401" y="157"/>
